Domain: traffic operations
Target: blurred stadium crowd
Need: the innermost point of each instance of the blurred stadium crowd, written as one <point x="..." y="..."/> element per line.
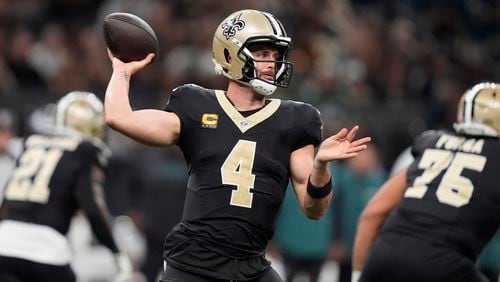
<point x="396" y="68"/>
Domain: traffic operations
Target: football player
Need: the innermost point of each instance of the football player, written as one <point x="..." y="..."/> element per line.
<point x="241" y="147"/>
<point x="430" y="221"/>
<point x="57" y="175"/>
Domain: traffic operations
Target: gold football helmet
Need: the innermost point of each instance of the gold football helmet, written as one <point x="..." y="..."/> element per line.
<point x="479" y="110"/>
<point x="233" y="58"/>
<point x="82" y="112"/>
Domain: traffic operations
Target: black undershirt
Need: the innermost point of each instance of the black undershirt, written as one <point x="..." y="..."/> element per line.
<point x="250" y="112"/>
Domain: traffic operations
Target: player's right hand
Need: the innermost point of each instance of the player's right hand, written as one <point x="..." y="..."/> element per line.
<point x="131" y="67"/>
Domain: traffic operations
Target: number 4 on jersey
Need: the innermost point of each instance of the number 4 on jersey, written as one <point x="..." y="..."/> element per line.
<point x="237" y="170"/>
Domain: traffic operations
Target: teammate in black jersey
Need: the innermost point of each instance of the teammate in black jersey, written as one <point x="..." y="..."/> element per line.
<point x="56" y="175"/>
<point x="241" y="148"/>
<point x="434" y="217"/>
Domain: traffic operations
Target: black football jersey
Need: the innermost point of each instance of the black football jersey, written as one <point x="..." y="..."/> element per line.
<point x="238" y="166"/>
<point x="41" y="189"/>
<point x="452" y="198"/>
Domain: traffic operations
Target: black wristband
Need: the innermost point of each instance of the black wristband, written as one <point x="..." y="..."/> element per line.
<point x="319" y="192"/>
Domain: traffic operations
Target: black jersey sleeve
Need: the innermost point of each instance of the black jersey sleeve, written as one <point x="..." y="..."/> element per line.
<point x="89" y="194"/>
<point x="90" y="198"/>
<point x="184" y="97"/>
<point x="175" y="102"/>
<point x="310" y="126"/>
<point x="185" y="101"/>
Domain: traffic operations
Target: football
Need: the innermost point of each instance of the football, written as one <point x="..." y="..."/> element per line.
<point x="129" y="37"/>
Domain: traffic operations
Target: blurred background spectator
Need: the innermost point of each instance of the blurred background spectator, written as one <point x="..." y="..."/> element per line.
<point x="395" y="68"/>
<point x="10" y="146"/>
<point x="301" y="244"/>
<point x="356" y="181"/>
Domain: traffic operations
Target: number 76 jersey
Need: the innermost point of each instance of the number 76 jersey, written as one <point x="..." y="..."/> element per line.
<point x="238" y="165"/>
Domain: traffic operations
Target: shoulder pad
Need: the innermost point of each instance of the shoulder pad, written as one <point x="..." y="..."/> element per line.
<point x="189" y="86"/>
<point x="424" y="140"/>
<point x="97" y="150"/>
<point x="308" y="121"/>
<point x="189" y="99"/>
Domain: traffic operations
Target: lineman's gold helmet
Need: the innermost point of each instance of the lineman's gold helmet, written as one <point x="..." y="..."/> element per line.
<point x="479" y="110"/>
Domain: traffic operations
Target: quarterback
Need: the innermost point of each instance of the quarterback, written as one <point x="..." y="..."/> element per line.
<point x="241" y="147"/>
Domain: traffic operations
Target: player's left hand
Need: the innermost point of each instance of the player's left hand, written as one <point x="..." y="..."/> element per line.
<point x="355" y="275"/>
<point x="341" y="145"/>
<point x="124" y="266"/>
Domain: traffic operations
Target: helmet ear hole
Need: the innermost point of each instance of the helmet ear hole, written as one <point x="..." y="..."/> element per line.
<point x="227" y="56"/>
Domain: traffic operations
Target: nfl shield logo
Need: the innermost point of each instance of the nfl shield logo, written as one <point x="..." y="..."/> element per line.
<point x="244" y="125"/>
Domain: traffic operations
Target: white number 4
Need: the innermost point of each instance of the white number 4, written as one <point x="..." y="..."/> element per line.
<point x="237" y="170"/>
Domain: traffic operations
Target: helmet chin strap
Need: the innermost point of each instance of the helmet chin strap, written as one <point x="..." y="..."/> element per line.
<point x="262" y="87"/>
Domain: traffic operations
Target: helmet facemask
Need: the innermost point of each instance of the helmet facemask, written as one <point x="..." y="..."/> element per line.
<point x="282" y="68"/>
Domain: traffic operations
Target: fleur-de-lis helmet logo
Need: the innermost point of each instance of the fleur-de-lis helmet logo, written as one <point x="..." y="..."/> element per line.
<point x="232" y="26"/>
